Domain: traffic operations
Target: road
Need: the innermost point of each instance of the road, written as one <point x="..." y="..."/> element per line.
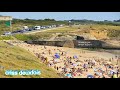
<point x="43" y="30"/>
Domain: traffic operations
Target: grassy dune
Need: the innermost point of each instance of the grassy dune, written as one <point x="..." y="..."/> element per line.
<point x="15" y="58"/>
<point x="98" y="31"/>
<point x="63" y="30"/>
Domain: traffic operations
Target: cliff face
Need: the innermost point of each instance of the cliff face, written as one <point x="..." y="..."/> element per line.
<point x="99" y="34"/>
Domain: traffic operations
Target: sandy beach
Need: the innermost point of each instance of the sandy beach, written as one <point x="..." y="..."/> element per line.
<point x="72" y="62"/>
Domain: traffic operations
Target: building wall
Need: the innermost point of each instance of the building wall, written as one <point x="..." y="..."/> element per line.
<point x="5" y="18"/>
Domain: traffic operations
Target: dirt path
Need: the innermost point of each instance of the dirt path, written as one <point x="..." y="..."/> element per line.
<point x="53" y="37"/>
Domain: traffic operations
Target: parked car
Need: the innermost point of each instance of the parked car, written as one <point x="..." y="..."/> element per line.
<point x="7" y="33"/>
<point x="42" y="27"/>
<point x="37" y="27"/>
<point x="25" y="28"/>
<point x="30" y="29"/>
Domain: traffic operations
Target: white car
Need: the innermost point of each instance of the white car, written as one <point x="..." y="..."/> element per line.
<point x="7" y="33"/>
<point x="37" y="27"/>
<point x="25" y="28"/>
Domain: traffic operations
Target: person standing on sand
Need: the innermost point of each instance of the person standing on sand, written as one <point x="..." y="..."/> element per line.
<point x="57" y="68"/>
<point x="106" y="68"/>
<point x="49" y="51"/>
<point x="95" y="75"/>
<point x="46" y="60"/>
<point x="118" y="70"/>
<point x="62" y="54"/>
<point x="44" y="47"/>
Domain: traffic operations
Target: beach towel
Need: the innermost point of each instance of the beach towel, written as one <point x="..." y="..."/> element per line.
<point x="69" y="75"/>
<point x="114" y="76"/>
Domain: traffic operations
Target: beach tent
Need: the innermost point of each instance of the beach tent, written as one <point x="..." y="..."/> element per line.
<point x="57" y="55"/>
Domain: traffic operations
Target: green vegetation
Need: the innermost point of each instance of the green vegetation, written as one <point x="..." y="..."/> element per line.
<point x="17" y="24"/>
<point x="6" y="38"/>
<point x="3" y="27"/>
<point x="32" y="22"/>
<point x="15" y="58"/>
<point x="105" y="22"/>
<point x="24" y="37"/>
<point x="63" y="30"/>
<point x="37" y="36"/>
<point x="104" y="27"/>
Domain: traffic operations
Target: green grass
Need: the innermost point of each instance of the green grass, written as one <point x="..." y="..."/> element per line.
<point x="6" y="38"/>
<point x="24" y="37"/>
<point x="63" y="30"/>
<point x="15" y="58"/>
<point x="43" y="35"/>
<point x="37" y="36"/>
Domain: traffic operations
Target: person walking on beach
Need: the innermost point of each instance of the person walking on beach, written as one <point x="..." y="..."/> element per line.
<point x="62" y="53"/>
<point x="44" y="47"/>
<point x="49" y="51"/>
<point x="118" y="70"/>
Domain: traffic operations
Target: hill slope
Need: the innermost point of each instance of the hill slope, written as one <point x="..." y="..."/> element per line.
<point x="15" y="58"/>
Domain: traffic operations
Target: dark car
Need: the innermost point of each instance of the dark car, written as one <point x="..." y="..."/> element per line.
<point x="18" y="31"/>
<point x="14" y="32"/>
<point x="22" y="31"/>
<point x="30" y="29"/>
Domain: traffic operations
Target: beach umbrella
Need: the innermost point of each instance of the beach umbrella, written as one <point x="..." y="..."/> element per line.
<point x="90" y="76"/>
<point x="57" y="55"/>
<point x="75" y="56"/>
<point x="69" y="75"/>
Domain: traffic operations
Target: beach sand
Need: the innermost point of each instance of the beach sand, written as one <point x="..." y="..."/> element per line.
<point x="69" y="52"/>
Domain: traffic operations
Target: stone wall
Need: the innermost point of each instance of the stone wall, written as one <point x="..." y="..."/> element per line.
<point x="69" y="43"/>
<point x="77" y="44"/>
<point x="49" y="43"/>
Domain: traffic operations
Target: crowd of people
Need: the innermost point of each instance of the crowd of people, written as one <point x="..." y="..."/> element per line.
<point x="74" y="64"/>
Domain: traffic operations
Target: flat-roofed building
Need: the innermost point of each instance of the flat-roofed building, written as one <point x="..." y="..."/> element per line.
<point x="5" y="18"/>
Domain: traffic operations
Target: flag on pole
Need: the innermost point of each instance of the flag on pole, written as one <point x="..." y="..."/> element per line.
<point x="8" y="23"/>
